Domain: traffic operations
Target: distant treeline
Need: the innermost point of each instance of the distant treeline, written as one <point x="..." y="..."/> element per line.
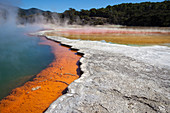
<point x="130" y="14"/>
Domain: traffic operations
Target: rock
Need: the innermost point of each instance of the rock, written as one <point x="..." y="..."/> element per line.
<point x="36" y="88"/>
<point x="117" y="79"/>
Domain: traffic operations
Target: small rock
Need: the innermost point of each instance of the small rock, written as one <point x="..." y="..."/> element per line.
<point x="35" y="88"/>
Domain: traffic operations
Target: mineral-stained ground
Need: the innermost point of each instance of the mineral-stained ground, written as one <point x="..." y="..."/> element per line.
<point x="116" y="79"/>
<point x="35" y="96"/>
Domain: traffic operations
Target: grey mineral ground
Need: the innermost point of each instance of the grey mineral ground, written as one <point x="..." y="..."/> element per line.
<point x="117" y="79"/>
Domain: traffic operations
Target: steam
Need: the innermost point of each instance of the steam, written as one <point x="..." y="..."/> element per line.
<point x="44" y="20"/>
<point x="9" y="18"/>
<point x="8" y="14"/>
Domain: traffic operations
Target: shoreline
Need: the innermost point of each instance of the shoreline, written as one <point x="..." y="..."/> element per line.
<point x="115" y="35"/>
<point x="114" y="79"/>
<point x="135" y="81"/>
<point x="36" y="95"/>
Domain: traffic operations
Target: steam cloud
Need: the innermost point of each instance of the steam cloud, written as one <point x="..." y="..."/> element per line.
<point x="9" y="17"/>
<point x="8" y="14"/>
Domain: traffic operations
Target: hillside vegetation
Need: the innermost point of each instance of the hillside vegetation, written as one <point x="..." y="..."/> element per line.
<point x="130" y="14"/>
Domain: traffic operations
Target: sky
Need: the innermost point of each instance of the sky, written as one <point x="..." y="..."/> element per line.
<point x="62" y="5"/>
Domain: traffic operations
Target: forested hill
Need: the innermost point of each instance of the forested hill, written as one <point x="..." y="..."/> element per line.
<point x="131" y="14"/>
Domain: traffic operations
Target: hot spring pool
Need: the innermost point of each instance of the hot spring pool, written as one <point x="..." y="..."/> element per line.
<point x="21" y="57"/>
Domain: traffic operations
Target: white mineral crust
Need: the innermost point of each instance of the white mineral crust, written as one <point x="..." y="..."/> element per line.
<point x="117" y="79"/>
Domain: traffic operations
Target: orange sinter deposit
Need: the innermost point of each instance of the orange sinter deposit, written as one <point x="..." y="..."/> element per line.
<point x="35" y="96"/>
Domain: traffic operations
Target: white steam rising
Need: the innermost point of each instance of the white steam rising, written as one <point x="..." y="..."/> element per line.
<point x="8" y="14"/>
<point x="9" y="17"/>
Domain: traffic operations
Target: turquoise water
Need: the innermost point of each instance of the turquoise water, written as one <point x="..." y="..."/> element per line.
<point x="21" y="57"/>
